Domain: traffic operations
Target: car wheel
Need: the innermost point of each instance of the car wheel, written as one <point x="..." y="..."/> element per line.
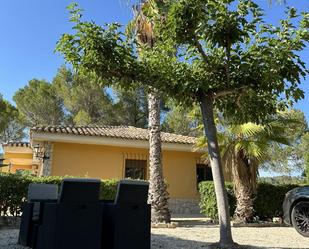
<point x="300" y="218"/>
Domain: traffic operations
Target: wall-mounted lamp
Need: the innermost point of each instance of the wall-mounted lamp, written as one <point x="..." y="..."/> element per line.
<point x="2" y="164"/>
<point x="39" y="152"/>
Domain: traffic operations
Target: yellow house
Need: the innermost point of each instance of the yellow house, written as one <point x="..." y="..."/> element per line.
<point x="117" y="152"/>
<point x="18" y="156"/>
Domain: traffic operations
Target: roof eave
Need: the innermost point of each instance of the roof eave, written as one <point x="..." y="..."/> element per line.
<point x="108" y="141"/>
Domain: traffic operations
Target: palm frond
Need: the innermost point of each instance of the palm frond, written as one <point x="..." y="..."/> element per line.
<point x="252" y="149"/>
<point x="201" y="143"/>
<point x="246" y="130"/>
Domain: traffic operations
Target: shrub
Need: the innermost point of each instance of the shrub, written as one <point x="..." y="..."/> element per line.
<point x="108" y="189"/>
<point x="208" y="203"/>
<point x="267" y="203"/>
<point x="13" y="191"/>
<point x="269" y="199"/>
<point x="14" y="187"/>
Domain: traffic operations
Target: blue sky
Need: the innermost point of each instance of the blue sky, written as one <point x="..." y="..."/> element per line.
<point x="30" y="29"/>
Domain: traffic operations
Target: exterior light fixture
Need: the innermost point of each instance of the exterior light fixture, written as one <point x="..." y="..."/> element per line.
<point x="39" y="152"/>
<point x="2" y="164"/>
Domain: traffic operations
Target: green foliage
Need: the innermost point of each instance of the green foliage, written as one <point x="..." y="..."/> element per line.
<point x="82" y="118"/>
<point x="257" y="142"/>
<point x="3" y="106"/>
<point x="282" y="180"/>
<point x="39" y="104"/>
<point x="84" y="97"/>
<point x="280" y="138"/>
<point x="81" y="99"/>
<point x="307" y="168"/>
<point x="237" y="50"/>
<point x="181" y="120"/>
<point x="86" y="47"/>
<point x="87" y="101"/>
<point x="269" y="199"/>
<point x="131" y="107"/>
<point x="304" y="151"/>
<point x="14" y="187"/>
<point x="11" y="128"/>
<point x="108" y="189"/>
<point x="225" y="52"/>
<point x="208" y="203"/>
<point x="267" y="203"/>
<point x="24" y="172"/>
<point x="13" y="191"/>
<point x="286" y="159"/>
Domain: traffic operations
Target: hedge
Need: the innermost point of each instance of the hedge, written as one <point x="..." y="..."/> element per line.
<point x="269" y="199"/>
<point x="14" y="187"/>
<point x="208" y="203"/>
<point x="267" y="204"/>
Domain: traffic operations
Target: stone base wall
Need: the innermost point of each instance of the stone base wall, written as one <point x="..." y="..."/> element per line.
<point x="7" y="222"/>
<point x="184" y="206"/>
<point x="47" y="164"/>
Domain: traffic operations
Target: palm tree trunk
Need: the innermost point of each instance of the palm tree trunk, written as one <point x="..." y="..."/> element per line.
<point x="158" y="195"/>
<point x="244" y="178"/>
<point x="206" y="104"/>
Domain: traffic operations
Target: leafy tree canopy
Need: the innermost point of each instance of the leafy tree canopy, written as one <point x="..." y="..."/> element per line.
<point x="39" y="104"/>
<point x="286" y="159"/>
<point x="84" y="97"/>
<point x="81" y="99"/>
<point x="224" y="51"/>
<point x="182" y="120"/>
<point x="87" y="100"/>
<point x="10" y="123"/>
<point x="131" y="106"/>
<point x="304" y="150"/>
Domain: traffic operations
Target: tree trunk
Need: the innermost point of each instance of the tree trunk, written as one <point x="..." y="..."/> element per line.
<point x="206" y="104"/>
<point x="244" y="177"/>
<point x="158" y="195"/>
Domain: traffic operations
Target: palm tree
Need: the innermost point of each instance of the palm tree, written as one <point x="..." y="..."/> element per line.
<point x="244" y="148"/>
<point x="158" y="195"/>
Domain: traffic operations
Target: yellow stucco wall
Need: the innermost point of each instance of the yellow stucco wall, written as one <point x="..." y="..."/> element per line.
<point x="107" y="162"/>
<point x="87" y="161"/>
<point x="9" y="155"/>
<point x="17" y="161"/>
<point x="180" y="172"/>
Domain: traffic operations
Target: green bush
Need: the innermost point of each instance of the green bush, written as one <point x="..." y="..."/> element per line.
<point x="208" y="203"/>
<point x="108" y="189"/>
<point x="267" y="203"/>
<point x="269" y="199"/>
<point x="14" y="187"/>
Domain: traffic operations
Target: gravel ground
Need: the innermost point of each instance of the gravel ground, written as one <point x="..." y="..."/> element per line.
<point x="202" y="236"/>
<point x="8" y="239"/>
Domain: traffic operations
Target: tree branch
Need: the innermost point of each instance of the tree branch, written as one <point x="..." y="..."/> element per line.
<point x="200" y="49"/>
<point x="228" y="92"/>
<point x="228" y="56"/>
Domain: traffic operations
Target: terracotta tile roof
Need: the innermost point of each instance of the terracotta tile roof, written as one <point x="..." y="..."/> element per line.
<point x="17" y="144"/>
<point x="124" y="132"/>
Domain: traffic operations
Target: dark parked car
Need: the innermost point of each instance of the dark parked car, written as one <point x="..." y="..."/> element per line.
<point x="296" y="209"/>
